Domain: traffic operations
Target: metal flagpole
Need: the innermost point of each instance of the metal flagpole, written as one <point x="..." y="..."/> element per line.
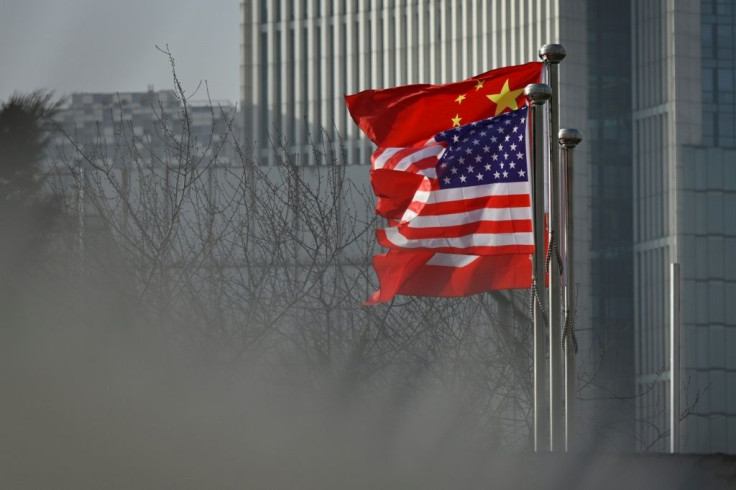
<point x="552" y="54"/>
<point x="569" y="139"/>
<point x="674" y="357"/>
<point x="538" y="94"/>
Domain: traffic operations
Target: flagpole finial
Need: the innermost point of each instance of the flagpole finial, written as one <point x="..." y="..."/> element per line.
<point x="552" y="53"/>
<point x="569" y="138"/>
<point x="538" y="93"/>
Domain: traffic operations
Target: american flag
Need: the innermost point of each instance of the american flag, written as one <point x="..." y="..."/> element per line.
<point x="474" y="195"/>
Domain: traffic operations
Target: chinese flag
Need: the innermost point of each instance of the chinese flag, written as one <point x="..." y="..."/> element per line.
<point x="410" y="114"/>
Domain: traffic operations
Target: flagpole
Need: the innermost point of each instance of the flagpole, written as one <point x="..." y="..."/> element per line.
<point x="674" y="349"/>
<point x="552" y="54"/>
<point x="538" y="94"/>
<point x="569" y="139"/>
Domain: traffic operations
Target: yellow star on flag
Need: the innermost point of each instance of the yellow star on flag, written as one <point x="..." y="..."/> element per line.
<point x="479" y="85"/>
<point x="506" y="99"/>
<point x="460" y="99"/>
<point x="456" y="120"/>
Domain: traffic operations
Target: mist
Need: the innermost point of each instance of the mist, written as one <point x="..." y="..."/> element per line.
<point x="198" y="323"/>
<point x="94" y="395"/>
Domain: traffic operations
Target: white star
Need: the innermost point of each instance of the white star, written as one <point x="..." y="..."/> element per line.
<point x="507" y="122"/>
<point x="480" y="176"/>
<point x="495" y="157"/>
<point x="500" y="129"/>
<point x="507" y="138"/>
<point x="505" y="156"/>
<point x="463" y="178"/>
<point x="512" y="165"/>
<point x="470" y="169"/>
<point x="443" y="164"/>
<point x="461" y="159"/>
<point x="482" y="133"/>
<point x="505" y="174"/>
<point x="453" y="170"/>
<point x="515" y="128"/>
<point x="447" y="180"/>
<point x="486" y="148"/>
<point x="521" y="173"/>
<point x="521" y="137"/>
<point x="476" y="142"/>
<point x="522" y="120"/>
<point x="520" y="155"/>
<point x="493" y="139"/>
<point x="455" y="138"/>
<point x="513" y="146"/>
<point x="500" y="147"/>
<point x="468" y="151"/>
<point x="496" y="175"/>
<point x="478" y="158"/>
<point x="488" y="167"/>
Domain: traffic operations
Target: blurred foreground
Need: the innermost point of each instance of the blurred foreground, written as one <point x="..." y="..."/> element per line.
<point x="95" y="396"/>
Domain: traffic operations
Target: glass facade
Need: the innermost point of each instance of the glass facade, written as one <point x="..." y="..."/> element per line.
<point x="708" y="238"/>
<point x="609" y="141"/>
<point x="718" y="35"/>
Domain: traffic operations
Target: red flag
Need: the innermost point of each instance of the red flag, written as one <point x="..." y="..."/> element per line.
<point x="411" y="114"/>
<point x="436" y="274"/>
<point x="395" y="191"/>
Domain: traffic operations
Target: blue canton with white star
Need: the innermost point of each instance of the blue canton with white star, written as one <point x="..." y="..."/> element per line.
<point x="490" y="151"/>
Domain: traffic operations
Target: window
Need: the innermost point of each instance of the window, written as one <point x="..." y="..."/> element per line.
<point x="718" y="19"/>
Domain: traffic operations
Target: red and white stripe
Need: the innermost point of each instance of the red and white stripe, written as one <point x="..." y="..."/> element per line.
<point x="416" y="159"/>
<point x="478" y="220"/>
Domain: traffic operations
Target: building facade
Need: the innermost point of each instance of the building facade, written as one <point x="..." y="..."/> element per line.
<point x="606" y="134"/>
<point x="108" y="123"/>
<point x="299" y="57"/>
<point x="683" y="110"/>
<point x="106" y="141"/>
